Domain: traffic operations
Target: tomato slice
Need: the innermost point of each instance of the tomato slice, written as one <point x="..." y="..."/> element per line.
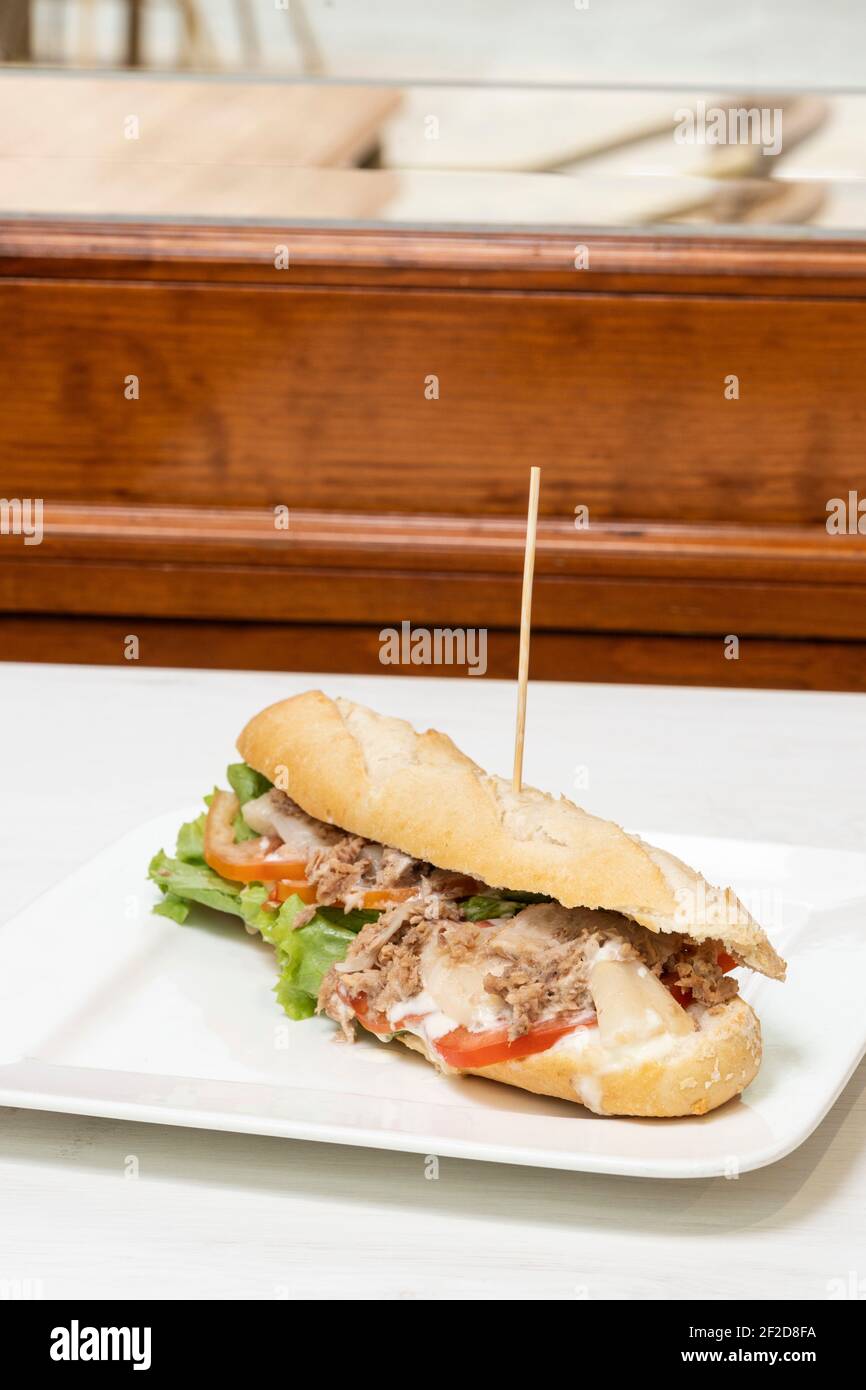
<point x="305" y="890"/>
<point x="286" y="888"/>
<point x="368" y="1018"/>
<point x="725" y="962"/>
<point x="682" y="996"/>
<point x="383" y="897"/>
<point x="463" y="1049"/>
<point x="459" y="884"/>
<point x="245" y="862"/>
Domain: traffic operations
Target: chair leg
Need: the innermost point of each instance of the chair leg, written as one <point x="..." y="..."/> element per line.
<point x="15" y="31"/>
<point x="133" y="33"/>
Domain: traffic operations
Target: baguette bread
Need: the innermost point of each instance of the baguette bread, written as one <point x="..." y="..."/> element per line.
<point x="377" y="777"/>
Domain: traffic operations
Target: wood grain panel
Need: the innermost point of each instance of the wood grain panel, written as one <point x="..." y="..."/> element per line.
<point x="624" y="263"/>
<point x="314" y="398"/>
<point x="213" y="535"/>
<point x="577" y="656"/>
<point x="458" y="598"/>
<point x="260" y="388"/>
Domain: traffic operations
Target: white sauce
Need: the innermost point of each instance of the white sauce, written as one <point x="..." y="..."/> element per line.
<point x="588" y="1091"/>
<point x="418" y="1004"/>
<point x="431" y="1025"/>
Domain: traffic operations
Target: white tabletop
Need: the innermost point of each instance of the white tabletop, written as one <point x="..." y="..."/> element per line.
<point x="89" y="753"/>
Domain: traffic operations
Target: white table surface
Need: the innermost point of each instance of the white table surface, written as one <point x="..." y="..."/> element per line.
<point x="91" y="752"/>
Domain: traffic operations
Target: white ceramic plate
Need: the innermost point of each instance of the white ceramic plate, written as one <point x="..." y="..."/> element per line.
<point x="108" y="1010"/>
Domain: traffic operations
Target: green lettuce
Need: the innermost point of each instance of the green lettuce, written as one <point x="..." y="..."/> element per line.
<point x="185" y="882"/>
<point x="252" y="905"/>
<point x="242" y="830"/>
<point x="305" y="955"/>
<point x="190" y="841"/>
<point x="172" y="906"/>
<point x="483" y="907"/>
<point x="354" y="920"/>
<point x="246" y="783"/>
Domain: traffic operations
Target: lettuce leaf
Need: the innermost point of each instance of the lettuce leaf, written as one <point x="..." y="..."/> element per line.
<point x="242" y="830"/>
<point x="275" y="927"/>
<point x="190" y="841"/>
<point x="483" y="907"/>
<point x="305" y="955"/>
<point x="294" y="1001"/>
<point x="194" y="883"/>
<point x="172" y="906"/>
<point x="354" y="920"/>
<point x="251" y="902"/>
<point x="246" y="783"/>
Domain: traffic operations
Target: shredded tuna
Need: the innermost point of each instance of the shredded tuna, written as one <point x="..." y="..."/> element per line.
<point x="338" y="872"/>
<point x="338" y="1009"/>
<point x="699" y="972"/>
<point x="370" y="941"/>
<point x="451" y="885"/>
<point x="384" y="961"/>
<point x="460" y="940"/>
<point x="540" y="985"/>
<point x="396" y="869"/>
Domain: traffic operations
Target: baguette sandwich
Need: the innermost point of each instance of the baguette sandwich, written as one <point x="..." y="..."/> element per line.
<point x="504" y="934"/>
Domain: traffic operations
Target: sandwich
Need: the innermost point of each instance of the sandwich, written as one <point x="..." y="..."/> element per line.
<point x="411" y="896"/>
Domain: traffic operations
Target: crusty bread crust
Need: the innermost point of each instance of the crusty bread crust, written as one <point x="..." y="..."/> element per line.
<point x="377" y="777"/>
<point x="698" y="1073"/>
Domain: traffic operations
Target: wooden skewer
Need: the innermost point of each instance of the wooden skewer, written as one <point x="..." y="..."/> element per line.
<point x="525" y="624"/>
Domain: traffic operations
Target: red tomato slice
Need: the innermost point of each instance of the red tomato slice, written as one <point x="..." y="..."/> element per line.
<point x="287" y="888"/>
<point x="463" y="1049"/>
<point x="725" y="962"/>
<point x="373" y="1022"/>
<point x="682" y="996"/>
<point x="245" y="862"/>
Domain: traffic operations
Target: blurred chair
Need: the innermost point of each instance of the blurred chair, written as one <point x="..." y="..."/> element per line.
<point x="199" y="49"/>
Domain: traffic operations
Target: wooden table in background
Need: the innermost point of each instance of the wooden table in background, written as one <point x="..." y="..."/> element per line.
<point x="203" y="148"/>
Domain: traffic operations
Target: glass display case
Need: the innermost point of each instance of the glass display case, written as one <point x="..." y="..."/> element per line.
<point x="598" y="115"/>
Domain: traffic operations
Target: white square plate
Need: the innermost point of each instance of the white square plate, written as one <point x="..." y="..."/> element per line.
<point x="108" y="1010"/>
